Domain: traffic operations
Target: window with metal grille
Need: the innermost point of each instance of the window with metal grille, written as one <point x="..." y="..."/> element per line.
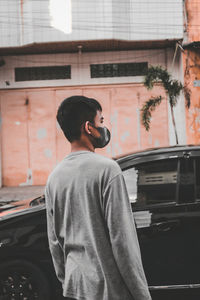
<point x="42" y="73"/>
<point x="118" y="70"/>
<point x="152" y="182"/>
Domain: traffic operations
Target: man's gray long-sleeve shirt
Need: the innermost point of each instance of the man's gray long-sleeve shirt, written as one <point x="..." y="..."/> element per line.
<point x="91" y="231"/>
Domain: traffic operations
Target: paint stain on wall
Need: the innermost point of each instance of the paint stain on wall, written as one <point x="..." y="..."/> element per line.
<point x="194" y="114"/>
<point x="115" y="147"/>
<point x="125" y="135"/>
<point x="58" y="126"/>
<point x="48" y="153"/>
<point x="127" y="120"/>
<point x="29" y="178"/>
<point x="150" y="139"/>
<point x="156" y="143"/>
<point x="108" y="150"/>
<point x="138" y="127"/>
<point x="41" y="133"/>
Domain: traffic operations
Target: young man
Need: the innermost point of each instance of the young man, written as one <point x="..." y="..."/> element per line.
<point x="91" y="231"/>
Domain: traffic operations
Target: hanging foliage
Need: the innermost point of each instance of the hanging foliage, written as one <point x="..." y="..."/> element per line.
<point x="172" y="88"/>
<point x="149" y="106"/>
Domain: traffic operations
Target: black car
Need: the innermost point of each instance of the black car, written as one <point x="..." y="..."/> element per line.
<point x="164" y="191"/>
<point x="26" y="269"/>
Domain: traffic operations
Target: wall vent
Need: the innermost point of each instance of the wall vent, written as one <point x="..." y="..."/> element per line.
<point x="43" y="73"/>
<point x="118" y="70"/>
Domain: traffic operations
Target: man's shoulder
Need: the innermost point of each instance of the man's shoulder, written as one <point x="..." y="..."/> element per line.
<point x="55" y="172"/>
<point x="107" y="165"/>
<point x="91" y="163"/>
<point x="105" y="161"/>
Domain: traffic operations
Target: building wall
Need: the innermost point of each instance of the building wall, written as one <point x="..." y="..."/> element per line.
<point x="80" y="66"/>
<point x="30" y="21"/>
<point x="175" y="67"/>
<point x="191" y="67"/>
<point x="192" y="11"/>
<point x="192" y="81"/>
<point x="32" y="142"/>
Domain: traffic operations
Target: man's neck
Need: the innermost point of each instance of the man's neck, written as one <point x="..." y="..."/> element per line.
<point x="75" y="146"/>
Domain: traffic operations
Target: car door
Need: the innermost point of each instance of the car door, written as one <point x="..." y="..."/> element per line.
<point x="163" y="193"/>
<point x="189" y="202"/>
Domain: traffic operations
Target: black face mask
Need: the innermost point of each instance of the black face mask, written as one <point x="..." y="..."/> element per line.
<point x="104" y="138"/>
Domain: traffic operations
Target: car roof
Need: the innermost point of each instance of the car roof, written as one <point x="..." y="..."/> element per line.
<point x="155" y="151"/>
<point x="11" y="209"/>
<point x="22" y="212"/>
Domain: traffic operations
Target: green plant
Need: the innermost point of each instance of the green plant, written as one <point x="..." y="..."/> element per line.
<point x="172" y="88"/>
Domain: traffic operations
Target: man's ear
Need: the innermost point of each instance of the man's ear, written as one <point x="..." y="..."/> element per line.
<point x="87" y="127"/>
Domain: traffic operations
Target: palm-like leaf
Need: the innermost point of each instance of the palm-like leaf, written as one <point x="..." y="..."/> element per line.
<point x="148" y="107"/>
<point x="187" y="94"/>
<point x="154" y="75"/>
<point x="172" y="88"/>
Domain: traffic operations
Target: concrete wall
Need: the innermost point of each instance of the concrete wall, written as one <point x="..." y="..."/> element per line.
<point x="32" y="142"/>
<point x="192" y="12"/>
<point x="30" y="21"/>
<point x="191" y="67"/>
<point x="80" y="66"/>
<point x="192" y="81"/>
<point x="175" y="67"/>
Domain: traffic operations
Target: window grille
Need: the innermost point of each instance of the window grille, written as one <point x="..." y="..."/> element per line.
<point x="43" y="73"/>
<point x="118" y="70"/>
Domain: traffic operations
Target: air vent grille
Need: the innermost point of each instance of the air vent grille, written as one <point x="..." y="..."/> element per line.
<point x="157" y="178"/>
<point x="43" y="73"/>
<point x="118" y="69"/>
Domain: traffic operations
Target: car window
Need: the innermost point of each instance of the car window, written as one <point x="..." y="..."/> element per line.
<point x="153" y="182"/>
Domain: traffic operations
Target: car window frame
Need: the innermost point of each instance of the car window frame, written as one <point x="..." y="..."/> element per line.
<point x="153" y="159"/>
<point x="134" y="160"/>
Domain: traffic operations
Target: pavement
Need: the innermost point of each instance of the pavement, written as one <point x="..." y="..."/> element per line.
<point x="21" y="192"/>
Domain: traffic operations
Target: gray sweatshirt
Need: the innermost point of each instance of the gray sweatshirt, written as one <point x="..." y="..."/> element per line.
<point x="92" y="236"/>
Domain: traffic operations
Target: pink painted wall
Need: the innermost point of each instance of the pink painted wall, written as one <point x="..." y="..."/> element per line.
<point x="191" y="65"/>
<point x="33" y="143"/>
<point x="15" y="154"/>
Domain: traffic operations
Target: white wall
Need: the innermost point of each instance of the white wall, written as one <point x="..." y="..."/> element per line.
<point x="80" y="67"/>
<point x="174" y="65"/>
<point x="156" y="20"/>
<point x="30" y="21"/>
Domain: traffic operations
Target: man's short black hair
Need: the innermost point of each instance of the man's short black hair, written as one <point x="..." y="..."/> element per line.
<point x="73" y="112"/>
